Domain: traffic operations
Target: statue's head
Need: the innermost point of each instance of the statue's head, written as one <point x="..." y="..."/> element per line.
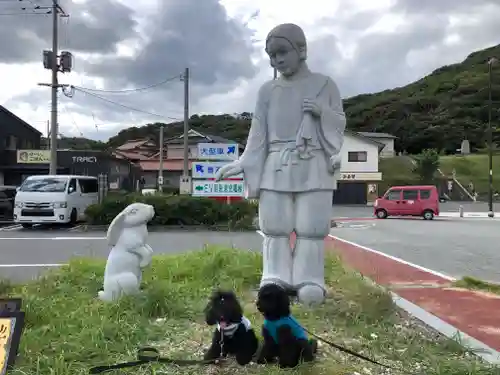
<point x="286" y="47"/>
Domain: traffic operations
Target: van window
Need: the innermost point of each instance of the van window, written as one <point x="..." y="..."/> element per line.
<point x="393" y="195"/>
<point x="72" y="185"/>
<point x="89" y="186"/>
<point x="48" y="185"/>
<point x="410" y="195"/>
<point x="425" y="194"/>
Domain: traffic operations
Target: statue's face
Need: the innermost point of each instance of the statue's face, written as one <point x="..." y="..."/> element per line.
<point x="284" y="57"/>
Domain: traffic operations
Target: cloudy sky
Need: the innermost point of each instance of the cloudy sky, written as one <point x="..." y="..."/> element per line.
<point x="365" y="45"/>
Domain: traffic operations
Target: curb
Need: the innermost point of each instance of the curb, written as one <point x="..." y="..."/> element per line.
<point x="477" y="347"/>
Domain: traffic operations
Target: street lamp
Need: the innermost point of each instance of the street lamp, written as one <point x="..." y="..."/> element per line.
<point x="490" y="138"/>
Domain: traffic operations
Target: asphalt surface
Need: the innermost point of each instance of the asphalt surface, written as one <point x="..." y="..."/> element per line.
<point x="456" y="247"/>
<point x="26" y="253"/>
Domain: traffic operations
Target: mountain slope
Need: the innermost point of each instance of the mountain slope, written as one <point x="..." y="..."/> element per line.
<point x="437" y="111"/>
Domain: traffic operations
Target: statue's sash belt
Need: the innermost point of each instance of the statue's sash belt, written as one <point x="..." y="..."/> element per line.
<point x="290" y="153"/>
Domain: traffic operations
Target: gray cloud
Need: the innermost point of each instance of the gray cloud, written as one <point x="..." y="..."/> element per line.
<point x="218" y="50"/>
<point x="184" y="33"/>
<point x="88" y="29"/>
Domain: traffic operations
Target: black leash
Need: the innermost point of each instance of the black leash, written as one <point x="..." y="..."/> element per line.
<point x="152" y="355"/>
<point x="355" y="354"/>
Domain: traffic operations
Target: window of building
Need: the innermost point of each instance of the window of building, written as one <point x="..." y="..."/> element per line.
<point x="393" y="195"/>
<point x="425" y="194"/>
<point x="410" y="195"/>
<point x="12" y="143"/>
<point x="357" y="156"/>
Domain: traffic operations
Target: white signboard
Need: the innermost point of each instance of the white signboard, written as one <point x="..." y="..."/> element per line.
<point x="208" y="169"/>
<point x="204" y="188"/>
<point x="218" y="151"/>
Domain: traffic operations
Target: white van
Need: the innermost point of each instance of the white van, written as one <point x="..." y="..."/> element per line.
<point x="54" y="199"/>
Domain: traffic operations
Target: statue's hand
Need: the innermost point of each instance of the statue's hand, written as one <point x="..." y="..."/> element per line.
<point x="335" y="163"/>
<point x="312" y="107"/>
<point x="229" y="170"/>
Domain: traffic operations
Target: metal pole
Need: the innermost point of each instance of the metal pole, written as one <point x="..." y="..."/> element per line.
<point x="53" y="114"/>
<point x="490" y="141"/>
<point x="186" y="123"/>
<point x="160" y="172"/>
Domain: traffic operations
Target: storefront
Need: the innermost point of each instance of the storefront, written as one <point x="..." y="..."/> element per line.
<point x="17" y="165"/>
<point x="357" y="188"/>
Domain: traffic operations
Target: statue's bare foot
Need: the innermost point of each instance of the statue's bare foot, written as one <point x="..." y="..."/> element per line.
<point x="311" y="294"/>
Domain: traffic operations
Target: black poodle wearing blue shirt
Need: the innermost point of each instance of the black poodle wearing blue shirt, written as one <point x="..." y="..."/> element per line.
<point x="284" y="338"/>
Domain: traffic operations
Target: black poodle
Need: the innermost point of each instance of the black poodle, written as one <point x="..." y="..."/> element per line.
<point x="233" y="334"/>
<point x="284" y="337"/>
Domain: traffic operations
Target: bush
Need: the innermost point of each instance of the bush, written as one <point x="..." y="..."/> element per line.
<point x="177" y="210"/>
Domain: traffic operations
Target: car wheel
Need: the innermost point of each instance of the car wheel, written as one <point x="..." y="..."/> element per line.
<point x="73" y="217"/>
<point x="381" y="214"/>
<point x="428" y="215"/>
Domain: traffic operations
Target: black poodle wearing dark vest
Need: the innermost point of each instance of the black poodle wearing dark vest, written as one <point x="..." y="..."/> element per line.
<point x="284" y="338"/>
<point x="233" y="334"/>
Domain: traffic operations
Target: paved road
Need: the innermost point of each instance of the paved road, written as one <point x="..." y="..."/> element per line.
<point x="360" y="211"/>
<point x="24" y="254"/>
<point x="457" y="247"/>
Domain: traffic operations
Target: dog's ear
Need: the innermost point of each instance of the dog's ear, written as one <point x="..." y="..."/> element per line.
<point x="210" y="317"/>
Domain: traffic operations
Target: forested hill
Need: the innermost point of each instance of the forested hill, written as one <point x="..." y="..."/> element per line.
<point x="437" y="111"/>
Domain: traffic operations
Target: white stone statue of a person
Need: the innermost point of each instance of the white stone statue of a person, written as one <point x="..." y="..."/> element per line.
<point x="291" y="155"/>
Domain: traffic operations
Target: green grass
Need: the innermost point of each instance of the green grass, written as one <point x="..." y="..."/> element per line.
<point x="476" y="284"/>
<point x="473" y="168"/>
<point x="68" y="330"/>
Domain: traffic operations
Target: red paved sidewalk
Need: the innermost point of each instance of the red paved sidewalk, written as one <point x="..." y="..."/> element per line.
<point x="474" y="313"/>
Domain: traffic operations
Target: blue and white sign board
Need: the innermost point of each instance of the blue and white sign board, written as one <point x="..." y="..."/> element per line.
<point x="208" y="169"/>
<point x="218" y="151"/>
<point x="226" y="188"/>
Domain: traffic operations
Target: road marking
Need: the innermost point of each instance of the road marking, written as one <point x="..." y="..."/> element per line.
<point x="436" y="273"/>
<point x="52" y="238"/>
<point x="31" y="265"/>
<point x="11" y="227"/>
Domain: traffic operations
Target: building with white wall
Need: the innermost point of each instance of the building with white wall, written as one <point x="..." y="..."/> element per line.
<point x="359" y="174"/>
<point x="386" y="139"/>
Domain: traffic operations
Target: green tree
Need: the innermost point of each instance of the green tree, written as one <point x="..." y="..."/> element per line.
<point x="427" y="164"/>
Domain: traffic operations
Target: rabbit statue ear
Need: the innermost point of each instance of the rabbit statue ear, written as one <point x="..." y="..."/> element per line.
<point x="115" y="229"/>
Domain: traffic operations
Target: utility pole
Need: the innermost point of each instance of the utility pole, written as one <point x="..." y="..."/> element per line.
<point x="53" y="109"/>
<point x="160" y="170"/>
<point x="186" y="122"/>
<point x="490" y="138"/>
<point x="55" y="64"/>
<point x="185" y="181"/>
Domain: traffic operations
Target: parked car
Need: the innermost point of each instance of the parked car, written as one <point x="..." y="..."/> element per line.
<point x="55" y="199"/>
<point x="408" y="201"/>
<point x="7" y="196"/>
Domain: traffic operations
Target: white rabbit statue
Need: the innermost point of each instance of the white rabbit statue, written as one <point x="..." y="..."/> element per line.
<point x="127" y="235"/>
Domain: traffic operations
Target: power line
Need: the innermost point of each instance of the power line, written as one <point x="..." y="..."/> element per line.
<point x="123" y="105"/>
<point x="132" y="90"/>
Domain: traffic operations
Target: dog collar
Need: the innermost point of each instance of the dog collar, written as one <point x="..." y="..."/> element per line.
<point x="230" y="329"/>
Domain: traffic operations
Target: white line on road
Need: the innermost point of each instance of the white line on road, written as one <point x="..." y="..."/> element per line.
<point x="31" y="265"/>
<point x="11" y="227"/>
<point x="51" y="238"/>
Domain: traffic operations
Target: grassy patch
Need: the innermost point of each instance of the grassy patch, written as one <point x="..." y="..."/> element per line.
<point x="472" y="168"/>
<point x="396" y="171"/>
<point x="476" y="284"/>
<point x="69" y="330"/>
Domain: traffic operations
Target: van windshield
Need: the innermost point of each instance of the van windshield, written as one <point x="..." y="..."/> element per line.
<point x="46" y="185"/>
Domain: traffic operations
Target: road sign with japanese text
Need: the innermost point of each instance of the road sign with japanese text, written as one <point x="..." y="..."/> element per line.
<point x="208" y="169"/>
<point x="218" y="151"/>
<point x="227" y="188"/>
